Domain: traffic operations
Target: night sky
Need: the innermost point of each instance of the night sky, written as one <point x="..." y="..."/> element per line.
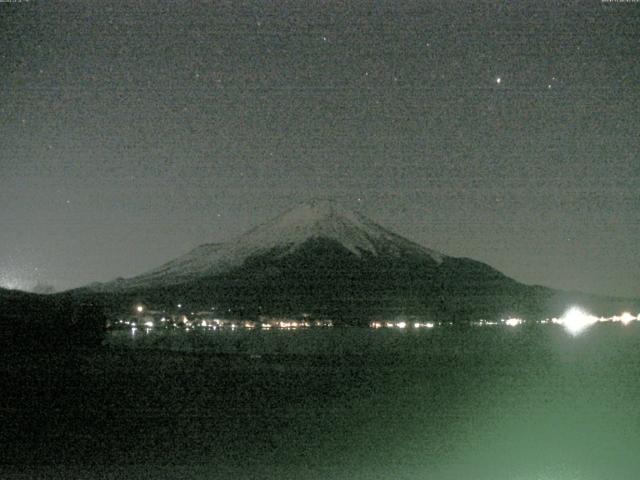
<point x="508" y="132"/>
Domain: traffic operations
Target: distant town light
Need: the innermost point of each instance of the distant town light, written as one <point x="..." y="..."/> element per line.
<point x="576" y="320"/>
<point x="626" y="318"/>
<point x="513" y="322"/>
<point x="139" y="309"/>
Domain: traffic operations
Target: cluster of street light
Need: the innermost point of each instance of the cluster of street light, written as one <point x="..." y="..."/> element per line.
<point x="402" y="324"/>
<point x="148" y="321"/>
<point x="575" y="321"/>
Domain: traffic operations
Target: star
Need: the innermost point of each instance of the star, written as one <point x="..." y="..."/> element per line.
<point x="499" y="80"/>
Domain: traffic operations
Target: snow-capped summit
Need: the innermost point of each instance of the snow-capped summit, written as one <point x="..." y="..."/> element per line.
<point x="329" y="220"/>
<point x="316" y="219"/>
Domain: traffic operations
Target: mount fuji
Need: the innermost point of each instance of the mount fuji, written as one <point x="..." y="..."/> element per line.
<point x="325" y="260"/>
<point x="292" y="231"/>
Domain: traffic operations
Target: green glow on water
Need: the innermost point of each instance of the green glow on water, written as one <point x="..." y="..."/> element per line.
<point x="443" y="404"/>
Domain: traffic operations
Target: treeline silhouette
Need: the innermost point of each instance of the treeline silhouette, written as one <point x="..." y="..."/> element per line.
<point x="32" y="322"/>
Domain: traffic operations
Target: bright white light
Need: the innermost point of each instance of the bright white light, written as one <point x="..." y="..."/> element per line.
<point x="498" y="80"/>
<point x="626" y="317"/>
<point x="513" y="322"/>
<point x="148" y="324"/>
<point x="423" y="325"/>
<point x="575" y="320"/>
<point x="139" y="309"/>
<point x="401" y="324"/>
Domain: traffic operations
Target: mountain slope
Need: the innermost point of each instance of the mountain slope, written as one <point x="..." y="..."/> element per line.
<point x="285" y="234"/>
<point x="322" y="259"/>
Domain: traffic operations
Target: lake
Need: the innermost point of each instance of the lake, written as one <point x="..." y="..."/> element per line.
<point x="522" y="403"/>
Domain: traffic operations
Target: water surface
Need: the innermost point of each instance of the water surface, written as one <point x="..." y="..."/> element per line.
<point x="490" y="403"/>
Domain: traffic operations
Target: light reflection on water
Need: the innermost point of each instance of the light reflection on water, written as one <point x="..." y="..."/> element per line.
<point x="442" y="404"/>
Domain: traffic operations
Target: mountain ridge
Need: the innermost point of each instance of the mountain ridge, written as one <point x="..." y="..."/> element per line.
<point x="288" y="231"/>
<point x="322" y="259"/>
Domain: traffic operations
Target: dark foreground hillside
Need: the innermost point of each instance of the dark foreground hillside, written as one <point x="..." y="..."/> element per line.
<point x="482" y="404"/>
<point x="48" y="323"/>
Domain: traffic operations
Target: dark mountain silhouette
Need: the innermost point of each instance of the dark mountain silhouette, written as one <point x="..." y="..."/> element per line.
<point x="35" y="322"/>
